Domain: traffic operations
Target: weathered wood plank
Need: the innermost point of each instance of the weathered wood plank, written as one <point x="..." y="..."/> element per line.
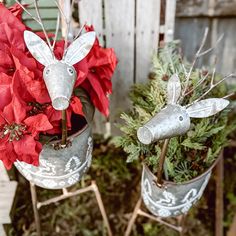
<point x="169" y="20"/>
<point x="119" y="22"/>
<point x="50" y="25"/>
<point x="226" y="50"/>
<point x="3" y="173"/>
<point x="7" y="194"/>
<point x="190" y="31"/>
<point x="199" y="8"/>
<point x="147" y="36"/>
<point x="49" y="13"/>
<point x="91" y="13"/>
<point x="2" y="231"/>
<point x="42" y="3"/>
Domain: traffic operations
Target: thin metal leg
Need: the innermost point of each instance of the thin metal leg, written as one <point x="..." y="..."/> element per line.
<point x="133" y="217"/>
<point x="219" y="210"/>
<point x="36" y="212"/>
<point x="181" y="222"/>
<point x="101" y="207"/>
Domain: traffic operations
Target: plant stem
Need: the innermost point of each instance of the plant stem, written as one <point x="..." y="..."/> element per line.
<point x="64" y="128"/>
<point x="161" y="162"/>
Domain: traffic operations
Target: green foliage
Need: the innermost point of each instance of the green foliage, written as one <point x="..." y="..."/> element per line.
<point x="188" y="155"/>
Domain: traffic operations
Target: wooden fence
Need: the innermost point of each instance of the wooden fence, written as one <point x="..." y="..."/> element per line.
<point x="7" y="194"/>
<point x="132" y="28"/>
<point x="193" y="16"/>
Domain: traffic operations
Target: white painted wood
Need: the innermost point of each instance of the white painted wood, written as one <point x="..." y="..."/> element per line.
<point x="170" y="20"/>
<point x="2" y="231"/>
<point x="65" y="6"/>
<point x="3" y="173"/>
<point x="7" y="194"/>
<point x="90" y="12"/>
<point x="119" y="22"/>
<point x="147" y="36"/>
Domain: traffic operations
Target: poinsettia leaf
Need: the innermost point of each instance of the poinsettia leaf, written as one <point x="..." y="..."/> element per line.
<point x="38" y="123"/>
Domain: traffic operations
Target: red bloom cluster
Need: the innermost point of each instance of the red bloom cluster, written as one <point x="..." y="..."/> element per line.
<point x="25" y="106"/>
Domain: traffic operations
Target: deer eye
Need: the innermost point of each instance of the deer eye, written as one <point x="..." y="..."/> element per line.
<point x="181" y="118"/>
<point x="70" y="71"/>
<point x="47" y="72"/>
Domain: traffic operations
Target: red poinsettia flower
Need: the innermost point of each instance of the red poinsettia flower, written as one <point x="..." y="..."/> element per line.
<point x="5" y="90"/>
<point x="25" y="105"/>
<point x="99" y="67"/>
<point x="18" y="132"/>
<point x="11" y="28"/>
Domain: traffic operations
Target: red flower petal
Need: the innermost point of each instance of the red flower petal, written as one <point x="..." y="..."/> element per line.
<point x="5" y="90"/>
<point x="27" y="149"/>
<point x="76" y="105"/>
<point x="38" y="123"/>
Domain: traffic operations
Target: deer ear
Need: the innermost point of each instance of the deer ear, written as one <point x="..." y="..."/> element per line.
<point x="207" y="107"/>
<point x="173" y="89"/>
<point x="38" y="48"/>
<point x="80" y="48"/>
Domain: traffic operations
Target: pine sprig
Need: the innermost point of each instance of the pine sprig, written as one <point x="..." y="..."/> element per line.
<point x="188" y="155"/>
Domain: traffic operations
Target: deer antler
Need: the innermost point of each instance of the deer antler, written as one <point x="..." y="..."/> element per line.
<point x="212" y="86"/>
<point x="57" y="30"/>
<point x="67" y="20"/>
<point x="193" y="64"/>
<point x="198" y="55"/>
<point x="38" y="19"/>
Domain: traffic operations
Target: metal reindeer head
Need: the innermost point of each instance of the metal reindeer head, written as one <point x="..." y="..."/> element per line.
<point x="174" y="119"/>
<point x="59" y="76"/>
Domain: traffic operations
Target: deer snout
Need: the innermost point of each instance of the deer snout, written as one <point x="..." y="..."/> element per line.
<point x="171" y="121"/>
<point x="60" y="79"/>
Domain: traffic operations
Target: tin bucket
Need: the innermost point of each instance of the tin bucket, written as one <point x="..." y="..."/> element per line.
<point x="172" y="199"/>
<point x="62" y="168"/>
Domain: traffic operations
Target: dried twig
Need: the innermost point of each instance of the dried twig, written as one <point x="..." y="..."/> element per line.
<point x="64" y="128"/>
<point x="26" y="11"/>
<point x="210" y="49"/>
<point x="198" y="55"/>
<point x="57" y="30"/>
<point x="212" y="77"/>
<point x="193" y="64"/>
<point x="38" y="19"/>
<point x="42" y="25"/>
<point x="67" y="25"/>
<point x="212" y="86"/>
<point x="198" y="84"/>
<point x="80" y="31"/>
<point x="229" y="95"/>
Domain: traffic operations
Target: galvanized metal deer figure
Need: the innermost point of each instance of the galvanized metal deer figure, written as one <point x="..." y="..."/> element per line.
<point x="59" y="76"/>
<point x="174" y="119"/>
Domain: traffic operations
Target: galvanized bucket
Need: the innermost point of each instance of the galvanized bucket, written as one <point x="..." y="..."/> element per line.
<point x="62" y="168"/>
<point x="172" y="199"/>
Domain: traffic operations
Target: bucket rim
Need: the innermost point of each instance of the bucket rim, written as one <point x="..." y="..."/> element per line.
<point x="171" y="183"/>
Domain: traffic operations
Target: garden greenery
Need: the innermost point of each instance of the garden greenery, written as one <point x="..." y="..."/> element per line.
<point x="188" y="155"/>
